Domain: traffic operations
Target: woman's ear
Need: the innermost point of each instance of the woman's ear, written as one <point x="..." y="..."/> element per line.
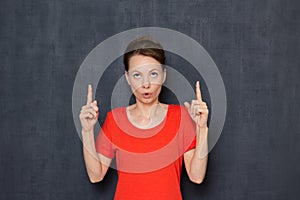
<point x="127" y="77"/>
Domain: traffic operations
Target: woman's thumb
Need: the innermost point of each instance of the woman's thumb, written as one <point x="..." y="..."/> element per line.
<point x="95" y="102"/>
<point x="187" y="105"/>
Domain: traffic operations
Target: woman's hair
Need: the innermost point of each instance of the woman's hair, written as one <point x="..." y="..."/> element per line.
<point x="146" y="46"/>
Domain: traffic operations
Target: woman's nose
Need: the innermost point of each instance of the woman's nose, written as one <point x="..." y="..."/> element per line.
<point x="146" y="83"/>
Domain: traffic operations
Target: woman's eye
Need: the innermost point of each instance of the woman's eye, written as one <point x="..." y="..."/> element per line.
<point x="154" y="74"/>
<point x="136" y="75"/>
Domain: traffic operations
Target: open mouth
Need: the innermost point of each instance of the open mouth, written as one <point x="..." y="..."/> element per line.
<point x="147" y="95"/>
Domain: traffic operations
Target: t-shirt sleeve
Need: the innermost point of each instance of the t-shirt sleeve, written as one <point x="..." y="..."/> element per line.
<point x="104" y="143"/>
<point x="189" y="133"/>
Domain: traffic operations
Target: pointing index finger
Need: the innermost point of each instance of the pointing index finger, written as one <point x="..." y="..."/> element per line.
<point x="90" y="95"/>
<point x="198" y="92"/>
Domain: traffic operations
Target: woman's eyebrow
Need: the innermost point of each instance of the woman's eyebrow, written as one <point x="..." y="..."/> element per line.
<point x="153" y="70"/>
<point x="135" y="70"/>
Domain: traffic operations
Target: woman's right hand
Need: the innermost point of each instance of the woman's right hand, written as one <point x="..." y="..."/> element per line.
<point x="89" y="112"/>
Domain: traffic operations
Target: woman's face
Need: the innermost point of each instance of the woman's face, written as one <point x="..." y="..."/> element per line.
<point x="145" y="77"/>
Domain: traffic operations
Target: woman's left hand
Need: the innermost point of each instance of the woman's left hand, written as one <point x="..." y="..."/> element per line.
<point x="198" y="109"/>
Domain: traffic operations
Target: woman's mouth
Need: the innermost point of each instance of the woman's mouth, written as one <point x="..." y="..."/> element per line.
<point x="146" y="95"/>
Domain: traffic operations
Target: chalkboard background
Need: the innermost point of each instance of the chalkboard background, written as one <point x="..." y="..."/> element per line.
<point x="255" y="45"/>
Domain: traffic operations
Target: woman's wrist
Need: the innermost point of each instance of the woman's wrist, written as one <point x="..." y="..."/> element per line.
<point x="202" y="126"/>
<point x="202" y="141"/>
<point x="87" y="133"/>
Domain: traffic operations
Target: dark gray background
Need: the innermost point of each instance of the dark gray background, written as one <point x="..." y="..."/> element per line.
<point x="255" y="45"/>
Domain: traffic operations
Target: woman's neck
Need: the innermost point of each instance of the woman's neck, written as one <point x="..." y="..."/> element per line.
<point x="146" y="115"/>
<point x="145" y="110"/>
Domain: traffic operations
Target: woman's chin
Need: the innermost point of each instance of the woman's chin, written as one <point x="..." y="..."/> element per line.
<point x="146" y="100"/>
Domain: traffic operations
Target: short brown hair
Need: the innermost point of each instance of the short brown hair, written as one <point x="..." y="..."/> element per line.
<point x="146" y="46"/>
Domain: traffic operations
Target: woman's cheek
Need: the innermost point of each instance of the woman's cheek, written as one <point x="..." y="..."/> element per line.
<point x="135" y="85"/>
<point x="157" y="80"/>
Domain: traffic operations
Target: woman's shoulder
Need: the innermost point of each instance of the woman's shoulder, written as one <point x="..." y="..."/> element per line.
<point x="114" y="113"/>
<point x="117" y="110"/>
<point x="178" y="107"/>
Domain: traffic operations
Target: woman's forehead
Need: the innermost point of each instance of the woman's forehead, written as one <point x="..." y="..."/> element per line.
<point x="146" y="67"/>
<point x="141" y="61"/>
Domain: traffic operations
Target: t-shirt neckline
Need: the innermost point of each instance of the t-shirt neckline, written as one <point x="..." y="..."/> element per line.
<point x="147" y="131"/>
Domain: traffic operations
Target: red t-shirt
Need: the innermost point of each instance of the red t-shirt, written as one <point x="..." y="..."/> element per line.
<point x="149" y="161"/>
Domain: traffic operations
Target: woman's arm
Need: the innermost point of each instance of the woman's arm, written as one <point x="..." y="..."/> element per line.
<point x="96" y="164"/>
<point x="195" y="160"/>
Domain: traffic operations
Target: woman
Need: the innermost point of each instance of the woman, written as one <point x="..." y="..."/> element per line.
<point x="149" y="138"/>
